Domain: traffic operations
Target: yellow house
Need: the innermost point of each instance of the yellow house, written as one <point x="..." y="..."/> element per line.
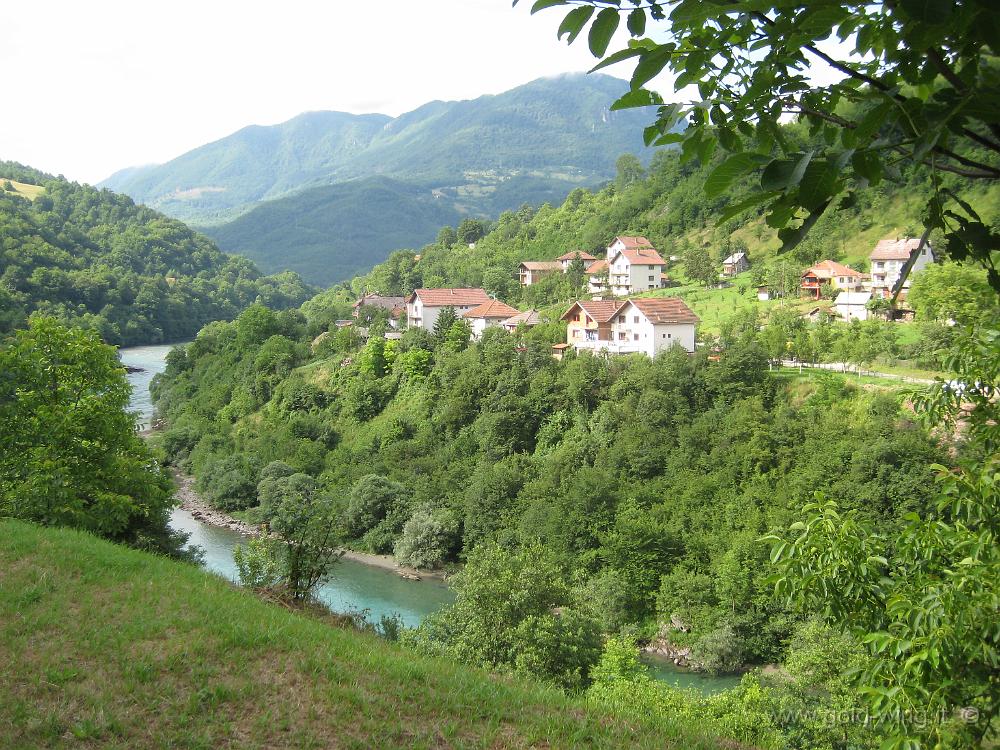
<point x="588" y="322"/>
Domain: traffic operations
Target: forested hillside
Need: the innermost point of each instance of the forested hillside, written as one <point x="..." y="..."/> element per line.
<point x="95" y="258"/>
<point x="558" y="130"/>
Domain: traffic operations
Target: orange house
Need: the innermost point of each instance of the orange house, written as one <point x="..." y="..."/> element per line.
<point x="589" y="322"/>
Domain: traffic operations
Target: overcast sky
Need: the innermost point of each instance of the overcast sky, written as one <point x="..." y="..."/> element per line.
<point x="92" y="87"/>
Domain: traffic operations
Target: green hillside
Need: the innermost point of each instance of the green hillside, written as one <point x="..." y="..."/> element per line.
<point x="556" y="129"/>
<point x="331" y="233"/>
<point x="107" y="647"/>
<point x="93" y="257"/>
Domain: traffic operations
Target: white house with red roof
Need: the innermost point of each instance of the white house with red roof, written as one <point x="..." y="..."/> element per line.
<point x="530" y="271"/>
<point x="424" y="305"/>
<point x="566" y="258"/>
<point x="633" y="266"/>
<point x="837" y="275"/>
<point x="488" y="314"/>
<point x="633" y="326"/>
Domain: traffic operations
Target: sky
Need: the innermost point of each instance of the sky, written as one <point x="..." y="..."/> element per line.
<point x="93" y="87"/>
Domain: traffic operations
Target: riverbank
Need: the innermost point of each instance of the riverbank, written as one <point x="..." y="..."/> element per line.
<point x="194" y="504"/>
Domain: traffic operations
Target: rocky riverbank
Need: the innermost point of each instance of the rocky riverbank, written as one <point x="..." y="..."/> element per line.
<point x="194" y="504"/>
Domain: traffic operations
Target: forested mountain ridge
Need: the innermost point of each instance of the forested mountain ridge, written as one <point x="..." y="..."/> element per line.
<point x="559" y="129"/>
<point x="95" y="258"/>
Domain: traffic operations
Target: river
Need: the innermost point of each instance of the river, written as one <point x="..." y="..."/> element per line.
<point x="354" y="587"/>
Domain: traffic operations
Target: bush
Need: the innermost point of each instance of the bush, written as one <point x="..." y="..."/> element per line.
<point x="429" y="537"/>
<point x="372" y="499"/>
<point x="230" y="483"/>
<point x="258" y="564"/>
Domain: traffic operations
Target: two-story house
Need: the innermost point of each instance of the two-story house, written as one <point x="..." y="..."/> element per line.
<point x="837" y="275"/>
<point x="488" y="314"/>
<point x="530" y="271"/>
<point x="632" y="326"/>
<point x="895" y="261"/>
<point x="567" y="258"/>
<point x="424" y="305"/>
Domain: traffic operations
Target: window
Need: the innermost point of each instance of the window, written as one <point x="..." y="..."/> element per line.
<point x="635" y="318"/>
<point x="650" y="278"/>
<point x="621" y="318"/>
<point x="622" y="336"/>
<point x="670" y="335"/>
<point x="664" y="335"/>
<point x="576" y="333"/>
<point x="635" y="336"/>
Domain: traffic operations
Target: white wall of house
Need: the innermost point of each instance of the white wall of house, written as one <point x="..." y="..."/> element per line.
<point x="885" y="273"/>
<point x="633" y="333"/>
<point x="846" y="311"/>
<point x="419" y="315"/>
<point x="628" y="278"/>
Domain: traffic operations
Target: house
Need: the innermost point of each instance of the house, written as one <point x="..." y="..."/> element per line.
<point x="530" y="271"/>
<point x="895" y="261"/>
<point x="852" y="305"/>
<point x="424" y="305"/>
<point x="588" y="323"/>
<point x="491" y="313"/>
<point x="735" y="264"/>
<point x="624" y="242"/>
<point x="649" y="325"/>
<point x="597" y="277"/>
<point x="528" y="318"/>
<point x="645" y="326"/>
<point x="837" y="275"/>
<point x="395" y="305"/>
<point x="763" y="293"/>
<point x="567" y="258"/>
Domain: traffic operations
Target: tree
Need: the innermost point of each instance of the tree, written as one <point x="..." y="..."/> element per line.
<point x="628" y="171"/>
<point x="429" y="536"/>
<point x="471" y="230"/>
<point x="952" y="292"/>
<point x="920" y="87"/>
<point x="923" y="597"/>
<point x="446" y="318"/>
<point x="70" y="454"/>
<point x="699" y="267"/>
<point x="304" y="518"/>
<point x="447" y="236"/>
<point x="576" y="274"/>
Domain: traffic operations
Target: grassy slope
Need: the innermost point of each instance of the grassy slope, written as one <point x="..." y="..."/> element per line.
<point x="102" y="646"/>
<point x="24" y="189"/>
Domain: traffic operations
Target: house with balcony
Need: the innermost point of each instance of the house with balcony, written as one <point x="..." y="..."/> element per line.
<point x="837" y="275"/>
<point x="895" y="261"/>
<point x="597" y="277"/>
<point x="424" y="306"/>
<point x="567" y="258"/>
<point x="633" y="326"/>
<point x="530" y="271"/>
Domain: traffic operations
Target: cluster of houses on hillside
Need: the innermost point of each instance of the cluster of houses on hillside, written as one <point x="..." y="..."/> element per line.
<point x="614" y="323"/>
<point x="630" y="265"/>
<point x="893" y="263"/>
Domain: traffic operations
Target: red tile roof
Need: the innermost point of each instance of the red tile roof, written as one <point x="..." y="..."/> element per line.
<point x="601" y="311"/>
<point x="665" y="310"/>
<point x="445" y="297"/>
<point x="895" y="249"/>
<point x="597" y="267"/>
<point x="632" y="242"/>
<point x="644" y="255"/>
<point x="492" y="309"/>
<point x="574" y="253"/>
<point x="829" y="268"/>
<point x="528" y="317"/>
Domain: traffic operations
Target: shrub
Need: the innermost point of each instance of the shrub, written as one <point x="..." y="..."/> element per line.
<point x="429" y="537"/>
<point x="372" y="499"/>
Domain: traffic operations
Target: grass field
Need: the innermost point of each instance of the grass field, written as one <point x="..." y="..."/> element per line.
<point x="102" y="646"/>
<point x="22" y="188"/>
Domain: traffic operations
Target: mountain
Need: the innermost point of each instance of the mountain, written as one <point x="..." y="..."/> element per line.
<point x="94" y="258"/>
<point x="335" y="232"/>
<point x="533" y="144"/>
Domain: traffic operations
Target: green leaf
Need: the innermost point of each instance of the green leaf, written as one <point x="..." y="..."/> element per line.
<point x="603" y="29"/>
<point x="617" y="57"/>
<point x="932" y="12"/>
<point x="543" y="4"/>
<point x="650" y="65"/>
<point x="735" y="209"/>
<point x="784" y="174"/>
<point x="867" y="165"/>
<point x="731" y="169"/>
<point x="574" y="22"/>
<point x="819" y="183"/>
<point x="636" y="22"/>
<point x="637" y="98"/>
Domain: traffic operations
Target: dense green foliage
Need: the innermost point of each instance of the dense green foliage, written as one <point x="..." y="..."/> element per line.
<point x="70" y="454"/>
<point x="919" y="86"/>
<point x="647" y="481"/>
<point x="94" y="258"/>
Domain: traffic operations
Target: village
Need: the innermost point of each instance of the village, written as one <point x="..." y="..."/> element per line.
<point x="620" y="318"/>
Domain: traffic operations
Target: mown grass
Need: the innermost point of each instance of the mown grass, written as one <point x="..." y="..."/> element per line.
<point x="22" y="188"/>
<point x="102" y="646"/>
